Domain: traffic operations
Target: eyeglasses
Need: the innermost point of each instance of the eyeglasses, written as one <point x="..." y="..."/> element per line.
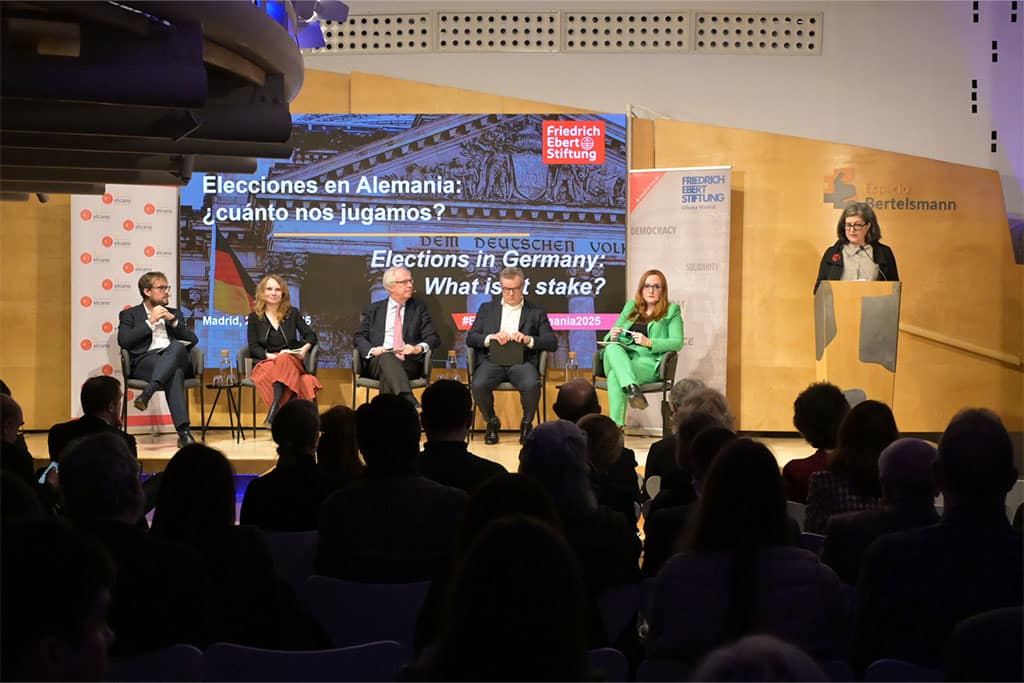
<point x="161" y="288"/>
<point x="510" y="290"/>
<point x="656" y="287"/>
<point x="856" y="227"/>
<point x="404" y="282"/>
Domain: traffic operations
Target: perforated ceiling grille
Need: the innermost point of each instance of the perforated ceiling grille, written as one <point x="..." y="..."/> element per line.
<point x="497" y="31"/>
<point x="757" y="33"/>
<point x="641" y="32"/>
<point x="372" y="33"/>
<point x="777" y="34"/>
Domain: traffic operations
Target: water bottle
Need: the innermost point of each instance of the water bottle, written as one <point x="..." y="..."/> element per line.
<point x="572" y="369"/>
<point x="451" y="366"/>
<point x="224" y="371"/>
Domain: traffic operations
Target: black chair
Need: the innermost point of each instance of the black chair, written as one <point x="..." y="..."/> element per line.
<point x="666" y="378"/>
<point x="542" y="370"/>
<point x="244" y="364"/>
<point x="369" y="383"/>
<point x="196" y="358"/>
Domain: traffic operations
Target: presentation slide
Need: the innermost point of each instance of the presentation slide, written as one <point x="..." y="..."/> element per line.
<point x="453" y="198"/>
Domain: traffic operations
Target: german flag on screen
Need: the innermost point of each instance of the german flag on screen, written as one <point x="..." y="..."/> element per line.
<point x="234" y="292"/>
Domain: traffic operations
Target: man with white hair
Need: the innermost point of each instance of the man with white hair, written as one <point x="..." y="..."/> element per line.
<point x="392" y="335"/>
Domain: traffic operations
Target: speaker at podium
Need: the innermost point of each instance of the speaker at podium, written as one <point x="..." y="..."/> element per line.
<point x="856" y="328"/>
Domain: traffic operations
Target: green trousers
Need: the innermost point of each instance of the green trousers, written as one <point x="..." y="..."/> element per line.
<point x="622" y="366"/>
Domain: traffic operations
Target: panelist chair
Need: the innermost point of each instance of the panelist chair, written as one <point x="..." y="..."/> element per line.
<point x="542" y="370"/>
<point x="196" y="358"/>
<point x="666" y="378"/>
<point x="244" y="363"/>
<point x="369" y="383"/>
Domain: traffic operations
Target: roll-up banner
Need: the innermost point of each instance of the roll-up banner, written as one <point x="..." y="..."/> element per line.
<point x="679" y="224"/>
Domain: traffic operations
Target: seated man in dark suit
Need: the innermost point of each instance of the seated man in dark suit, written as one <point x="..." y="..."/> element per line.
<point x="915" y="586"/>
<point x="906" y="470"/>
<point x="392" y="335"/>
<point x="391" y="525"/>
<point x="101" y="412"/>
<point x="446" y="418"/>
<point x="512" y="319"/>
<point x="157" y="341"/>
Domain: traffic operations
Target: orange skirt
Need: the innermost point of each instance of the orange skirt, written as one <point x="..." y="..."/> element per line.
<point x="289" y="371"/>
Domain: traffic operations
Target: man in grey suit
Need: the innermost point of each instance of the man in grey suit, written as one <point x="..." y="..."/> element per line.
<point x="392" y="335"/>
<point x="510" y="319"/>
<point x="157" y="341"/>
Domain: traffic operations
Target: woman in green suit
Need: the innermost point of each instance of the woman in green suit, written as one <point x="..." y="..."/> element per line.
<point x="648" y="328"/>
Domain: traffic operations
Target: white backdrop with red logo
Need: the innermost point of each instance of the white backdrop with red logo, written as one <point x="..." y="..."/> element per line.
<point x="115" y="238"/>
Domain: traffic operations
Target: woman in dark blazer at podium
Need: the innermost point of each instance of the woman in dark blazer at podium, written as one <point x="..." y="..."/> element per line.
<point x="858" y="254"/>
<point x="279" y="340"/>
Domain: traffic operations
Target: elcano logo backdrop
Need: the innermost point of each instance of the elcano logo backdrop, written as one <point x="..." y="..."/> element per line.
<point x="115" y="238"/>
<point x="679" y="224"/>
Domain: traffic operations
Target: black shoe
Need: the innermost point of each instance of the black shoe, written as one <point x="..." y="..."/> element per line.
<point x="491" y="435"/>
<point x="185" y="438"/>
<point x="524" y="430"/>
<point x="637" y="401"/>
<point x="142" y="402"/>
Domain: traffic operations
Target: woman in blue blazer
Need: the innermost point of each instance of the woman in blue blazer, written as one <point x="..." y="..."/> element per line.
<point x="648" y="328"/>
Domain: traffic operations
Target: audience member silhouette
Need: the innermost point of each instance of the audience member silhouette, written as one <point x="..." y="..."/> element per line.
<point x="605" y="543"/>
<point x="162" y="595"/>
<point x="101" y="412"/>
<point x="905" y="469"/>
<point x="516" y="612"/>
<point x="851" y="481"/>
<point x="817" y="413"/>
<point x="337" y="452"/>
<point x="578" y="398"/>
<point x="392" y="525"/>
<point x="56" y="587"/>
<point x="604" y="449"/>
<point x="288" y="497"/>
<point x="18" y="500"/>
<point x="447" y="417"/>
<point x="677" y="487"/>
<point x="664" y="529"/>
<point x="987" y="647"/>
<point x="915" y="586"/>
<point x="501" y="496"/>
<point x="197" y="508"/>
<point x="661" y="456"/>
<point x="739" y="577"/>
<point x="759" y="658"/>
<point x="14" y="454"/>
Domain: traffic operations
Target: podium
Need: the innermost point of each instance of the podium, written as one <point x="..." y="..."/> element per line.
<point x="856" y="326"/>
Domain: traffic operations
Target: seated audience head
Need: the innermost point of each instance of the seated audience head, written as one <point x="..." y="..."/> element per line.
<point x="576" y="398"/>
<point x="604" y="440"/>
<point x="975" y="459"/>
<point x="447" y="411"/>
<point x="864" y="433"/>
<point x="388" y="432"/>
<point x="4" y="389"/>
<point x="556" y="454"/>
<point x="197" y="494"/>
<point x="689" y="424"/>
<point x="682" y="389"/>
<point x="742" y="502"/>
<point x="101" y="397"/>
<point x="906" y="469"/>
<point x="11" y="419"/>
<point x="56" y="587"/>
<point x="296" y="428"/>
<point x="817" y="413"/>
<point x="705" y="446"/>
<point x="100" y="480"/>
<point x="18" y="502"/>
<point x="337" y="451"/>
<point x="516" y="610"/>
<point x="708" y="400"/>
<point x="759" y="658"/>
<point x="503" y="496"/>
